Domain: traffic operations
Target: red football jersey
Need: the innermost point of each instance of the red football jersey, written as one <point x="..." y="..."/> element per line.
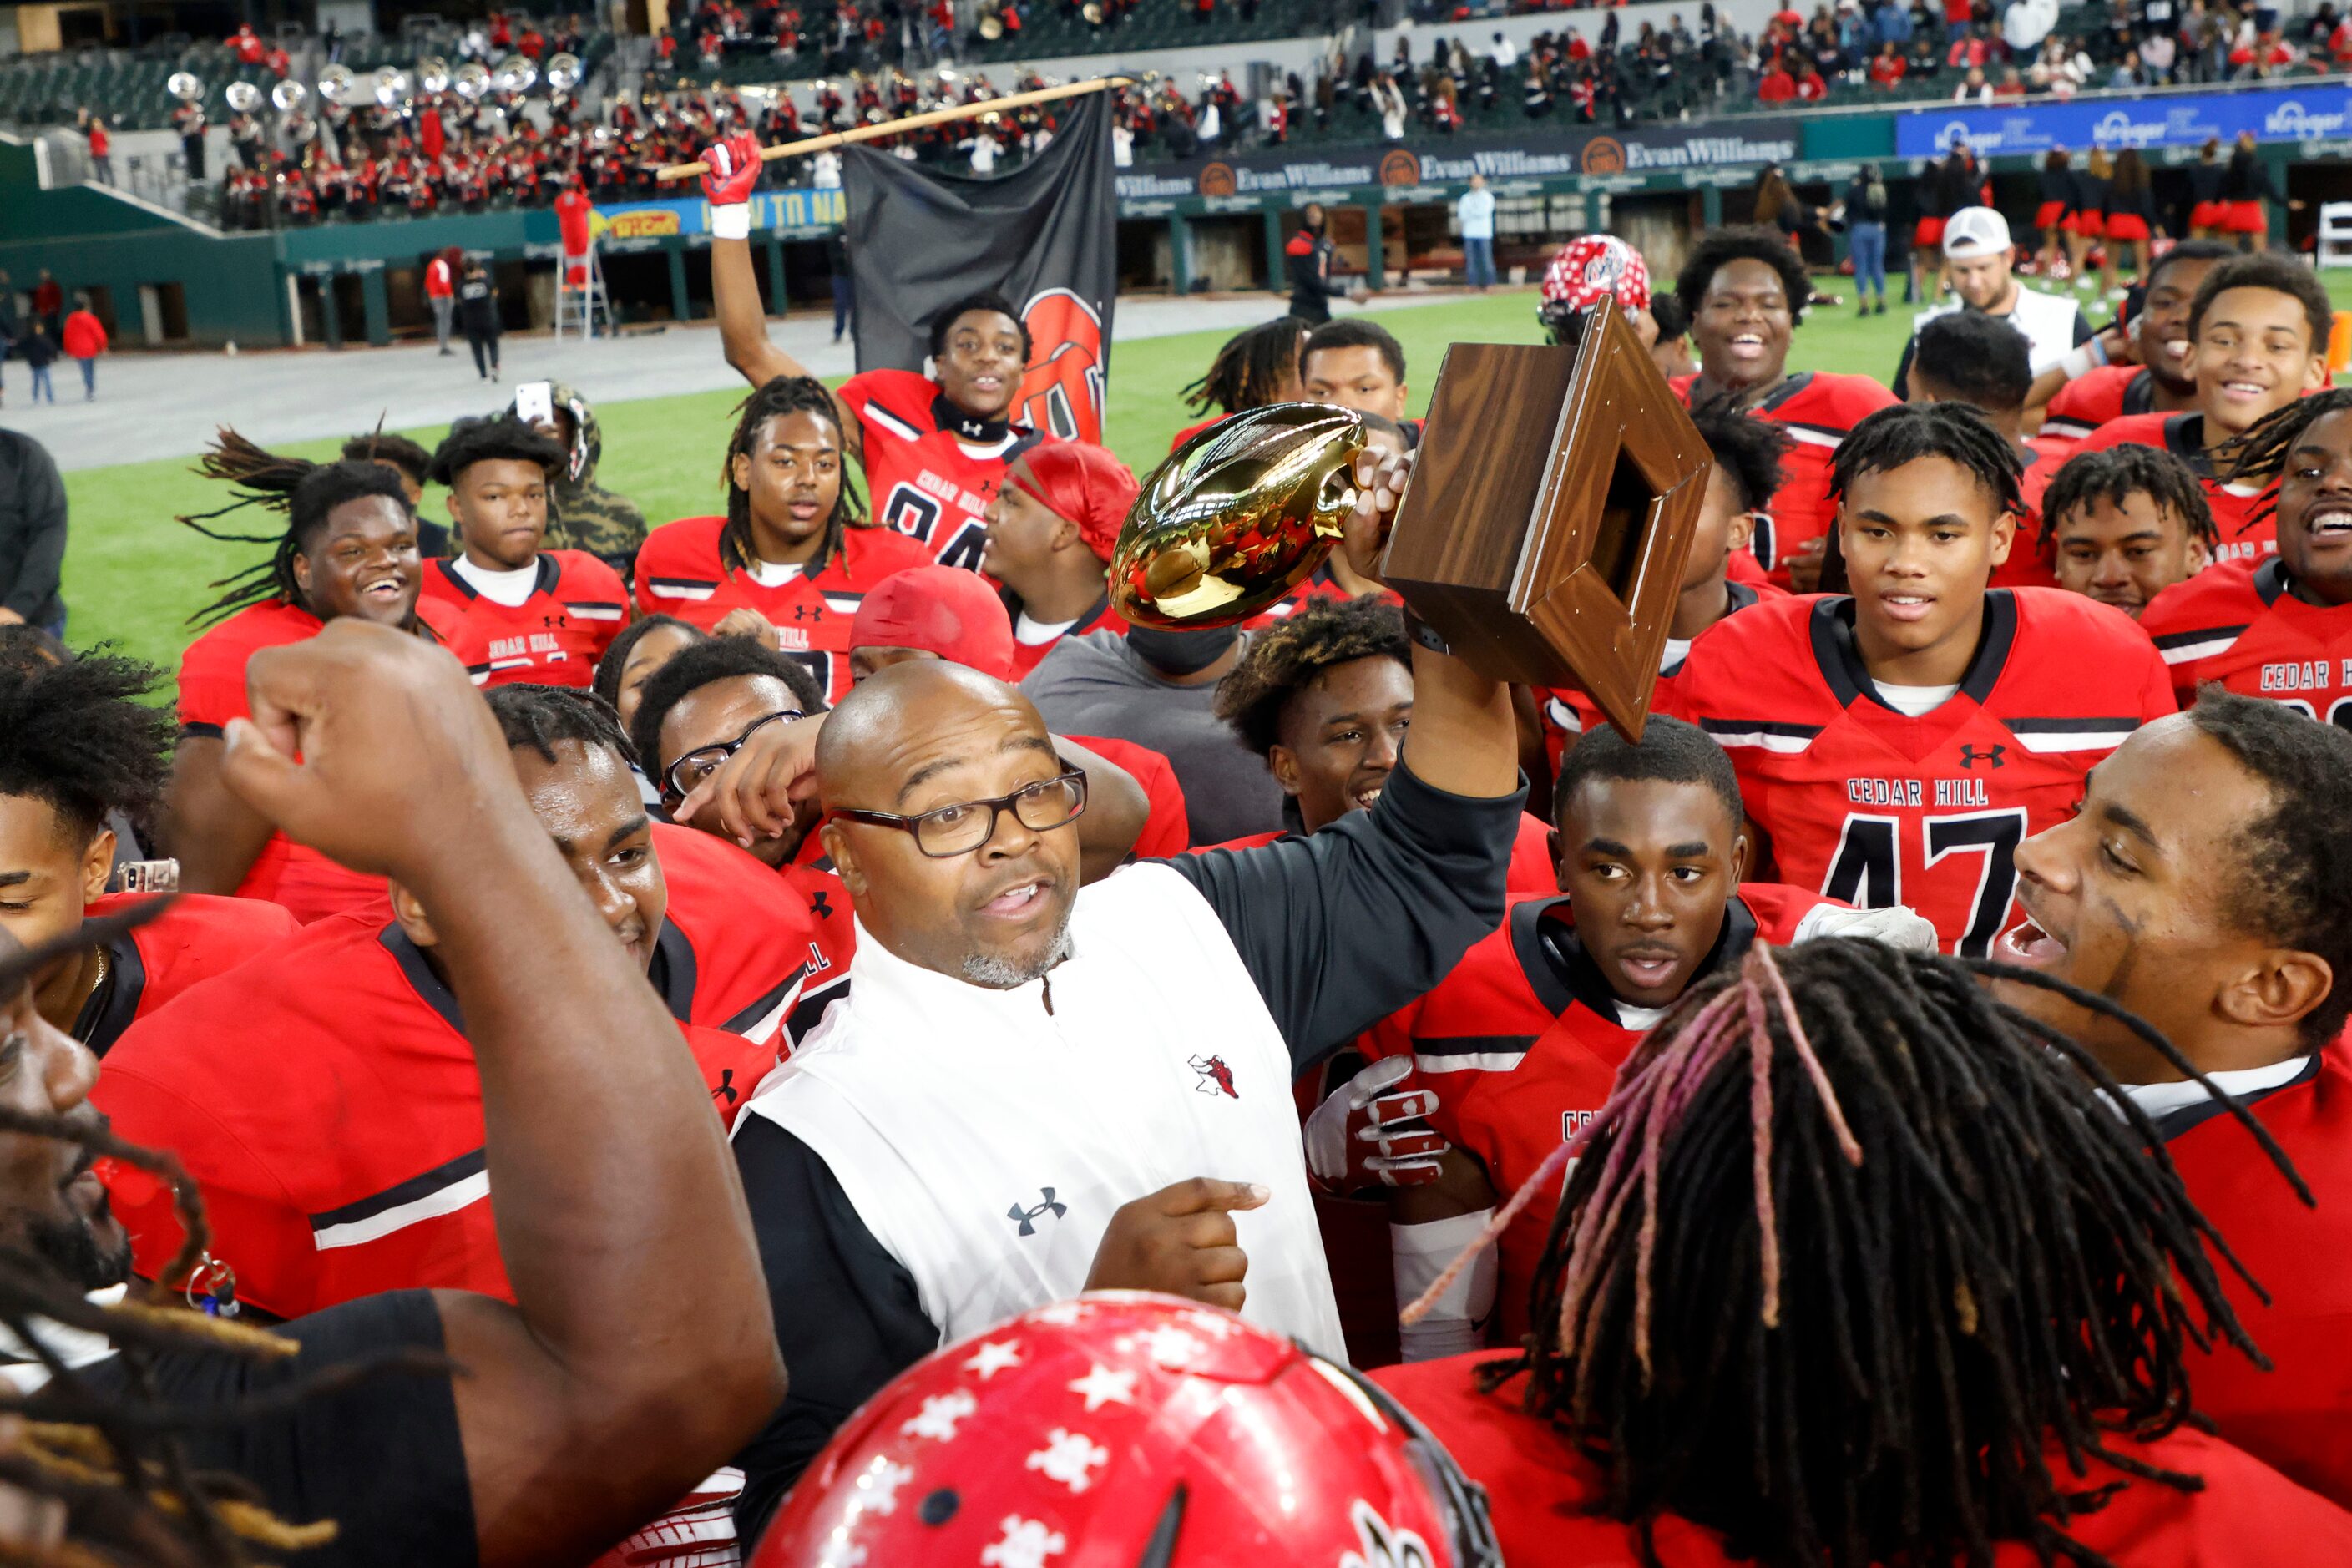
<point x="1532" y="873"/>
<point x="2030" y="565"/>
<point x="2089" y="402"/>
<point x="1817" y="408"/>
<point x="1568" y="713"/>
<point x="347" y="1158"/>
<point x="2242" y="537"/>
<point x="212" y="692"/>
<point x="931" y="470"/>
<point x="678" y="574"/>
<point x="577" y="605"/>
<point x="1521" y="1044"/>
<point x="2294" y="1415"/>
<point x="1028" y="656"/>
<point x="1168" y="830"/>
<point x="196" y="938"/>
<point x="740" y="940"/>
<point x="2240" y="625"/>
<point x="1542" y="1493"/>
<point x="1875" y="807"/>
<point x="833" y="942"/>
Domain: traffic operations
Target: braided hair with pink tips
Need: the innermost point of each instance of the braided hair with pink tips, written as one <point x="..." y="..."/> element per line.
<point x="1850" y="1244"/>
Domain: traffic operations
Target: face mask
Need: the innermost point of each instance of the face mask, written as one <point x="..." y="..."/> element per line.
<point x="1179" y="654"/>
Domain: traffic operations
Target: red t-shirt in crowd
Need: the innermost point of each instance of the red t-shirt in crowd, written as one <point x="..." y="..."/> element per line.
<point x="1777" y="85"/>
<point x="334" y="1126"/>
<point x="1521" y="1044"/>
<point x="2243" y="536"/>
<point x="196" y="937"/>
<point x="1542" y="1493"/>
<point x="1817" y="409"/>
<point x="212" y="692"/>
<point x="1875" y="807"/>
<point x="678" y="573"/>
<point x="577" y="606"/>
<point x="930" y="473"/>
<point x="2240" y="625"/>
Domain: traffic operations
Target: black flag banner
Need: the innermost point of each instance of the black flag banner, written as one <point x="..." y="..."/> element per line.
<point x="1046" y="235"/>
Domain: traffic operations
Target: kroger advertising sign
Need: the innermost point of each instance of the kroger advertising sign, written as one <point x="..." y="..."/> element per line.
<point x="2274" y="114"/>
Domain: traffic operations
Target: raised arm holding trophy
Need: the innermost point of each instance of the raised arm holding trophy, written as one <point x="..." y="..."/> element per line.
<point x="1541" y="535"/>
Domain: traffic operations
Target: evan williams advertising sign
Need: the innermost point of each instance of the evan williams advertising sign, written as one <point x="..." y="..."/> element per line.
<point x="1540" y="153"/>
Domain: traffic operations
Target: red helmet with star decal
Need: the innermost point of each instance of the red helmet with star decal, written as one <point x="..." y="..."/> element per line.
<point x="1128" y="1430"/>
<point x="1591" y="269"/>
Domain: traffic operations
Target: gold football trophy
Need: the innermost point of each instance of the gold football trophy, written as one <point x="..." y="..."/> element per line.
<point x="1543" y="533"/>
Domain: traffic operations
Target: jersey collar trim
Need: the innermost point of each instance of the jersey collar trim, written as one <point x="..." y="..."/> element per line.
<point x="2184" y="437"/>
<point x="543" y="583"/>
<point x="2172" y="1124"/>
<point x="2271" y="580"/>
<point x="2139" y="393"/>
<point x="1562" y="973"/>
<point x="420" y="976"/>
<point x="964" y="426"/>
<point x="1789" y="388"/>
<point x="112" y="1006"/>
<point x="1840" y="661"/>
<point x="672" y="970"/>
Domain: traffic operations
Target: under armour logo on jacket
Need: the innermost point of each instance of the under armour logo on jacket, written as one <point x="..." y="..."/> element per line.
<point x="1970" y="756"/>
<point x="1028" y="1217"/>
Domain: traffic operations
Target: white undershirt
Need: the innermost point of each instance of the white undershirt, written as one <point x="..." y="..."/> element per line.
<point x="2158" y="1100"/>
<point x="1915" y="701"/>
<point x="773" y="574"/>
<point x="1029" y="633"/>
<point x="1676" y="650"/>
<point x="1641" y="1019"/>
<point x="507" y="588"/>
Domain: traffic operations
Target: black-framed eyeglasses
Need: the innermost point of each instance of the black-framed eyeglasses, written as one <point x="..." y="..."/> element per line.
<point x="947" y="831"/>
<point x="704" y="761"/>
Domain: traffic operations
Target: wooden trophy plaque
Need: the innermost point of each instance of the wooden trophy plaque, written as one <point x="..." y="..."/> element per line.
<point x="1544" y="530"/>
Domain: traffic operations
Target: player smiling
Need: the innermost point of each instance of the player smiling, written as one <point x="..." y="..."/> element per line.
<point x="1898" y="745"/>
<point x="1745" y="290"/>
<point x="2279" y="628"/>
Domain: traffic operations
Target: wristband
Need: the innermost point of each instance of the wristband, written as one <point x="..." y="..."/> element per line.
<point x="2075" y="364"/>
<point x="732" y="221"/>
<point x="2097" y="349"/>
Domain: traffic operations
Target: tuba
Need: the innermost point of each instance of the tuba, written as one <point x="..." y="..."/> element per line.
<point x="289" y="96"/>
<point x="516" y="73"/>
<point x="472" y="80"/>
<point x="1237" y="516"/>
<point x="335" y="83"/>
<point x="186" y="85"/>
<point x="991" y="26"/>
<point x="564" y="73"/>
<point x="432" y="74"/>
<point x="390" y="87"/>
<point x="243" y="97"/>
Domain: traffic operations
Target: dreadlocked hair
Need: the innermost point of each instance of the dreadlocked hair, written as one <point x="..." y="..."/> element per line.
<point x="1250" y="369"/>
<point x="2259" y="456"/>
<point x="1904" y="433"/>
<point x="1284" y="660"/>
<point x="77" y="736"/>
<point x="1746" y="448"/>
<point x="2114" y="474"/>
<point x="540" y="718"/>
<point x="785" y="395"/>
<point x="303" y="492"/>
<point x="1849" y="1245"/>
<point x="109" y="1450"/>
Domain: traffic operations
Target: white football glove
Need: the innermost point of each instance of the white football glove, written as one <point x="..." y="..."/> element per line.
<point x="1896" y="925"/>
<point x="1361" y="1136"/>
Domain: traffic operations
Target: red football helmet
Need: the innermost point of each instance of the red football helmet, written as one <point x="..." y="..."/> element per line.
<point x="1588" y="270"/>
<point x="1128" y="1430"/>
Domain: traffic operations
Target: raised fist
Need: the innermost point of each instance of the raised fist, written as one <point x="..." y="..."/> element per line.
<point x="731" y="168"/>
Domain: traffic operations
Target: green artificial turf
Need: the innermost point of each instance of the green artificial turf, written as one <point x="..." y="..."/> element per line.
<point x="132" y="575"/>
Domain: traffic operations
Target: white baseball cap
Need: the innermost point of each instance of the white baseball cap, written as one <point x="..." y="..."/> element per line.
<point x="1972" y="232"/>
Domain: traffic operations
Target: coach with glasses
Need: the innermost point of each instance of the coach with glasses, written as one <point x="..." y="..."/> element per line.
<point x="1034" y="1089"/>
